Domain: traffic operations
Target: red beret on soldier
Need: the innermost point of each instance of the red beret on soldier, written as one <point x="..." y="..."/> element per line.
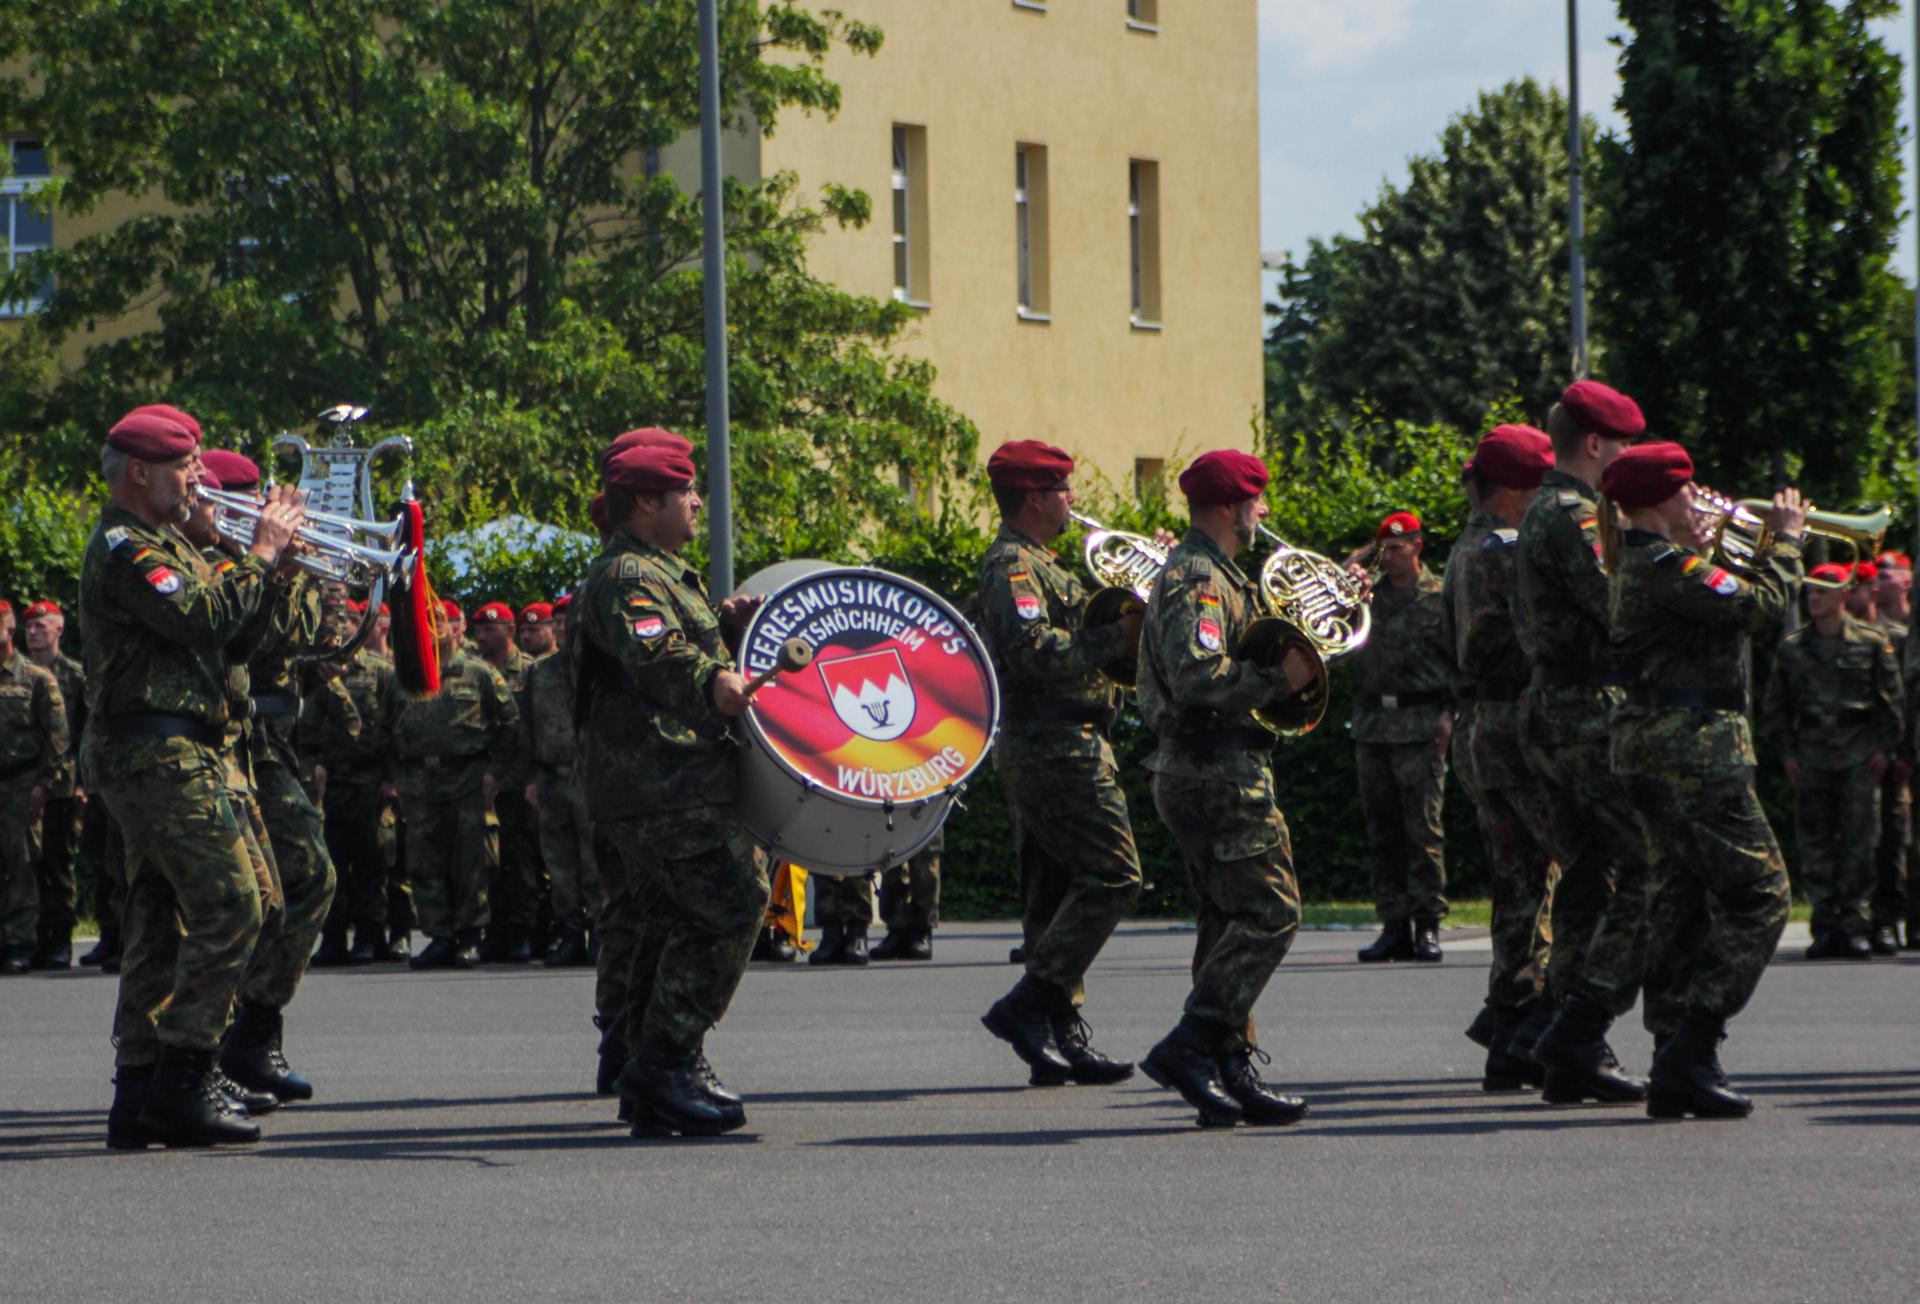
<point x="6" y="608"/>
<point x="1894" y="561"/>
<point x="597" y="513"/>
<point x="451" y="609"/>
<point x="1865" y="573"/>
<point x="1400" y="525"/>
<point x="537" y="613"/>
<point x="208" y="478"/>
<point x="645" y="437"/>
<point x="650" y="469"/>
<point x="1831" y="572"/>
<point x="171" y="413"/>
<point x="1646" y="475"/>
<point x="1602" y="410"/>
<point x="44" y="607"/>
<point x="493" y="613"/>
<point x="1028" y="464"/>
<point x="153" y="437"/>
<point x="235" y="470"/>
<point x="1513" y="457"/>
<point x="1223" y="477"/>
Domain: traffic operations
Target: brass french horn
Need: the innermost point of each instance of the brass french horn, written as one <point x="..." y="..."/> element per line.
<point x="1313" y="604"/>
<point x="1126" y="566"/>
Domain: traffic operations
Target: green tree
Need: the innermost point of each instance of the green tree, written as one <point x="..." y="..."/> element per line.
<point x="1746" y="299"/>
<point x="1454" y="294"/>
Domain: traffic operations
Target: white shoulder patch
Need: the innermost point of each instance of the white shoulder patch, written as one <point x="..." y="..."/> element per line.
<point x="1505" y="537"/>
<point x="116" y="536"/>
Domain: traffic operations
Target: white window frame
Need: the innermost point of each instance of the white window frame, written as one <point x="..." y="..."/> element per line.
<point x="902" y="218"/>
<point x="1031" y="6"/>
<point x="1022" y="231"/>
<point x="1149" y="22"/>
<point x="13" y="193"/>
<point x="1136" y="240"/>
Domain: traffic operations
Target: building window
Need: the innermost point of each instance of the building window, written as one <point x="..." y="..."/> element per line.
<point x="1030" y="230"/>
<point x="1149" y="478"/>
<point x="1143" y="228"/>
<point x="24" y="232"/>
<point x="910" y="265"/>
<point x="1143" y="15"/>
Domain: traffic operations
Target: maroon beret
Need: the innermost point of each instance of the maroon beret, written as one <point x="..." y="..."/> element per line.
<point x="209" y="478"/>
<point x="1028" y="464"/>
<point x="171" y="413"/>
<point x="1223" y="476"/>
<point x="1514" y="457"/>
<point x="1400" y="525"/>
<point x="650" y="469"/>
<point x="1601" y="410"/>
<point x="493" y="613"/>
<point x="152" y="437"/>
<point x="597" y="513"/>
<point x="645" y="437"/>
<point x="537" y="613"/>
<point x="1646" y="475"/>
<point x="235" y="470"/>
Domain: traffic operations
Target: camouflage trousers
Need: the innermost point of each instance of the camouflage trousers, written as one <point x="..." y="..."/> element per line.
<point x="304" y="882"/>
<point x="695" y="890"/>
<point x="566" y="848"/>
<point x="1079" y="868"/>
<point x="1598" y="917"/>
<point x="453" y="847"/>
<point x="1893" y="898"/>
<point x="910" y="892"/>
<point x="1401" y="789"/>
<point x="59" y="854"/>
<point x="108" y="852"/>
<point x="1239" y="861"/>
<point x="362" y="832"/>
<point x="19" y="857"/>
<point x="1521" y="879"/>
<point x="193" y="904"/>
<point x="841" y="902"/>
<point x="1836" y="818"/>
<point x="617" y="926"/>
<point x="1719" y="897"/>
<point x="518" y="881"/>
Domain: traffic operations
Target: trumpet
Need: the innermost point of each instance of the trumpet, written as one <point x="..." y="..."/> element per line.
<point x="328" y="548"/>
<point x="1313" y="605"/>
<point x="1126" y="565"/>
<point x="1739" y="532"/>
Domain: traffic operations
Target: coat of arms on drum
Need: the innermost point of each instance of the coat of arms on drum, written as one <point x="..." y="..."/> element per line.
<point x="871" y="693"/>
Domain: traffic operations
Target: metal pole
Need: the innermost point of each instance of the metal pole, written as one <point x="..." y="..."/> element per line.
<point x="1913" y="188"/>
<point x="714" y="261"/>
<point x="1576" y="214"/>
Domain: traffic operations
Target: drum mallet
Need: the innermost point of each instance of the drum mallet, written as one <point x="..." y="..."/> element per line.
<point x="795" y="654"/>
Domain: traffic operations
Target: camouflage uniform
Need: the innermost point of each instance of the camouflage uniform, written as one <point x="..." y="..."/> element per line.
<point x="910" y="891"/>
<point x="1893" y="858"/>
<point x="1213" y="777"/>
<point x="566" y="833"/>
<point x="1401" y="677"/>
<point x="1079" y="870"/>
<point x="1560" y="613"/>
<point x="444" y="747"/>
<point x="60" y="826"/>
<point x="155" y="623"/>
<point x="686" y="888"/>
<point x="518" y="881"/>
<point x="1514" y="814"/>
<point x="841" y="901"/>
<point x="33" y="753"/>
<point x="1832" y="703"/>
<point x="362" y="827"/>
<point x="1719" y="895"/>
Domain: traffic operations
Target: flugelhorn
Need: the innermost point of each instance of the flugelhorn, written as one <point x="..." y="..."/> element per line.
<point x="1126" y="565"/>
<point x="1314" y="605"/>
<point x="327" y="548"/>
<point x="1739" y="532"/>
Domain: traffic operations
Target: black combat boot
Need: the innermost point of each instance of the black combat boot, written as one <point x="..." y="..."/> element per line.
<point x="710" y="1082"/>
<point x="1085" y="1065"/>
<point x="668" y="1096"/>
<point x="613" y="1053"/>
<point x="1828" y="944"/>
<point x="1526" y="1032"/>
<point x="830" y="947"/>
<point x="332" y="952"/>
<point x="124" y="1129"/>
<point x="400" y="942"/>
<point x="245" y="1099"/>
<point x="1579" y="1063"/>
<point x="568" y="950"/>
<point x="436" y="954"/>
<point x="384" y="947"/>
<point x="1021" y="1019"/>
<point x="1259" y="1103"/>
<point x="855" y="944"/>
<point x="1187" y="1061"/>
<point x="466" y="950"/>
<point x="1394" y="943"/>
<point x="182" y="1107"/>
<point x="108" y="947"/>
<point x="1426" y="941"/>
<point x="775" y="947"/>
<point x="1854" y="946"/>
<point x="1687" y="1078"/>
<point x="1913" y="934"/>
<point x="1504" y="1071"/>
<point x="14" y="959"/>
<point x="251" y="1054"/>
<point x="1884" y="941"/>
<point x="56" y="949"/>
<point x="905" y="944"/>
<point x="519" y="950"/>
<point x="365" y="949"/>
<point x="1480" y="1031"/>
<point x="1018" y="955"/>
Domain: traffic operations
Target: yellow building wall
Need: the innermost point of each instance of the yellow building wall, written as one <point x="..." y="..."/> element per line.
<point x="981" y="76"/>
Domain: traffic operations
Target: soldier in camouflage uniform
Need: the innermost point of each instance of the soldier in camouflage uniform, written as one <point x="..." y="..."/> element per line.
<point x="566" y="831"/>
<point x="34" y="762"/>
<point x="1893" y="858"/>
<point x="449" y="752"/>
<point x="656" y="697"/>
<point x="1079" y="869"/>
<point x="156" y="622"/>
<point x="358" y="804"/>
<point x="1402" y="720"/>
<point x="64" y="819"/>
<point x="1492" y="673"/>
<point x="910" y="904"/>
<point x="515" y="890"/>
<point x="1214" y="788"/>
<point x="843" y="908"/>
<point x="1560" y="614"/>
<point x="1719" y="895"/>
<point x="1834" y="709"/>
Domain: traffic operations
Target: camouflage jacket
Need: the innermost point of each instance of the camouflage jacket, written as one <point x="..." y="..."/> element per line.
<point x="1403" y="673"/>
<point x="156" y="623"/>
<point x="1680" y="627"/>
<point x="647" y="646"/>
<point x="1190" y="685"/>
<point x="357" y="756"/>
<point x="1049" y="668"/>
<point x="1492" y="670"/>
<point x="546" y="717"/>
<point x="33" y="727"/>
<point x="445" y="744"/>
<point x="1832" y="703"/>
<point x="298" y="630"/>
<point x="326" y="708"/>
<point x="1560" y="610"/>
<point x="72" y="678"/>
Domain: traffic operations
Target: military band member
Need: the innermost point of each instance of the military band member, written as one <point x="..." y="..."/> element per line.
<point x="657" y="696"/>
<point x="1402" y="721"/>
<point x="1214" y="788"/>
<point x="1079" y="869"/>
<point x="843" y="908"/>
<point x="1892" y="903"/>
<point x="1507" y="467"/>
<point x="34" y="761"/>
<point x="63" y="825"/>
<point x="514" y="892"/>
<point x="155" y="624"/>
<point x="358" y="806"/>
<point x="910" y="904"/>
<point x="1834" y="709"/>
<point x="537" y="632"/>
<point x="1560" y="613"/>
<point x="553" y="790"/>
<point x="1719" y="897"/>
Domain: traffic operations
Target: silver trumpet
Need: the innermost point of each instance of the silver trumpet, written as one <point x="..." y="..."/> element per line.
<point x="328" y="548"/>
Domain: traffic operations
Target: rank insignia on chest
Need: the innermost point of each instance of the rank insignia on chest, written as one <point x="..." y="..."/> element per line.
<point x="649" y="627"/>
<point x="1207" y="633"/>
<point x="163" y="580"/>
<point x="1722" y="583"/>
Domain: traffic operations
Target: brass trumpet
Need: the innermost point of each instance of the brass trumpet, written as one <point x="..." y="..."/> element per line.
<point x="329" y="550"/>
<point x="1739" y="533"/>
<point x="1126" y="565"/>
<point x="1314" y="605"/>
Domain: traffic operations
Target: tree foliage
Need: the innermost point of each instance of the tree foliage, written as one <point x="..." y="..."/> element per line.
<point x="1747" y="300"/>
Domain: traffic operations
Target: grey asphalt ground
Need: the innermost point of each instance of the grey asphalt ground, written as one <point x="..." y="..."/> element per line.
<point x="893" y="1153"/>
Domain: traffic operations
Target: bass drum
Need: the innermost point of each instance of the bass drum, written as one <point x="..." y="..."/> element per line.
<point x="853" y="763"/>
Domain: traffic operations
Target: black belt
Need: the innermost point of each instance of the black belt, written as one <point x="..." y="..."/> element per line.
<point x="446" y="762"/>
<point x="1853" y="715"/>
<point x="19" y="768"/>
<point x="1395" y="701"/>
<point x="275" y="706"/>
<point x="1017" y="709"/>
<point x="1690" y="699"/>
<point x="1588" y="677"/>
<point x="1219" y="743"/>
<point x="158" y="724"/>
